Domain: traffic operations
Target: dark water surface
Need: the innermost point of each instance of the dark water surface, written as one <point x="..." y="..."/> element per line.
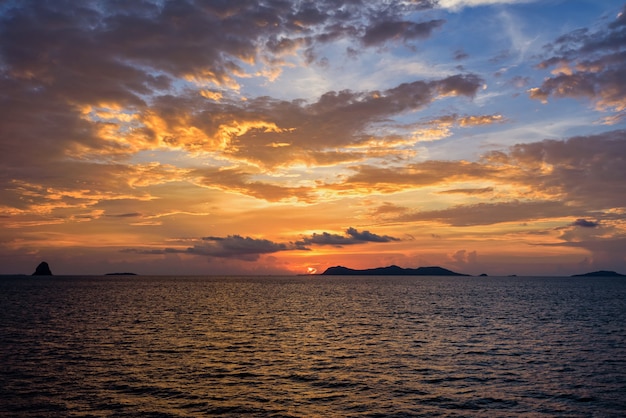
<point x="312" y="346"/>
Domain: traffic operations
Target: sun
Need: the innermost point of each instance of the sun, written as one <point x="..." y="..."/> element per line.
<point x="311" y="270"/>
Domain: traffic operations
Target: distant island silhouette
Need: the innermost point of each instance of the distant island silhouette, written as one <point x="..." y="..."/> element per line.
<point x="43" y="269"/>
<point x="121" y="274"/>
<point x="391" y="271"/>
<point x="600" y="273"/>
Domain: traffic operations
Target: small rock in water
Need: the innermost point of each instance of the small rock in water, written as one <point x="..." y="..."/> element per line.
<point x="42" y="270"/>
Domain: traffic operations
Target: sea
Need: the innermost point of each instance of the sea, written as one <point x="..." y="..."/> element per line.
<point x="312" y="346"/>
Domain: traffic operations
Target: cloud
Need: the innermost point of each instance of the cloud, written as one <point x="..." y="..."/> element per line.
<point x="465" y="121"/>
<point x="585" y="171"/>
<point x="519" y="81"/>
<point x="367" y="236"/>
<point x="87" y="91"/>
<point x="134" y="47"/>
<point x="388" y="210"/>
<point x="605" y="253"/>
<point x="384" y="31"/>
<point x="235" y="246"/>
<point x="369" y="179"/>
<point x="239" y="181"/>
<point x="588" y="65"/>
<point x="480" y="120"/>
<point x="49" y="186"/>
<point x="479" y="191"/>
<point x="351" y="237"/>
<point x="547" y="179"/>
<point x="126" y="215"/>
<point x="123" y="57"/>
<point x="326" y="131"/>
<point x="251" y="249"/>
<point x="585" y="223"/>
<point x="456" y="5"/>
<point x="460" y="54"/>
<point x="231" y="246"/>
<point x="442" y="127"/>
<point x="490" y="213"/>
<point x="464" y="258"/>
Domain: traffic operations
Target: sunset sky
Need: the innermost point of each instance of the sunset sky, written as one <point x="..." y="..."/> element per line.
<point x="285" y="137"/>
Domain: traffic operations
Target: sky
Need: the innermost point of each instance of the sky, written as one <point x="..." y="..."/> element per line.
<point x="285" y="137"/>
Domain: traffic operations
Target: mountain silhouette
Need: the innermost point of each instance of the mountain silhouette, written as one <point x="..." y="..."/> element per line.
<point x="391" y="271"/>
<point x="121" y="274"/>
<point x="600" y="273"/>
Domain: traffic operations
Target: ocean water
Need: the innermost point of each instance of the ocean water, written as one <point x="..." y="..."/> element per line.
<point x="314" y="346"/>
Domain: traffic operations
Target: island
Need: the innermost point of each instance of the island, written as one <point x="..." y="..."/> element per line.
<point x="391" y="271"/>
<point x="121" y="274"/>
<point x="43" y="269"/>
<point x="600" y="273"/>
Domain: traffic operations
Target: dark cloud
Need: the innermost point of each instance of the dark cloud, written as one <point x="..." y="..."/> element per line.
<point x="126" y="215"/>
<point x="231" y="246"/>
<point x="367" y="236"/>
<point x="460" y="85"/>
<point x="351" y="237"/>
<point x="250" y="249"/>
<point x="585" y="223"/>
<point x="155" y="251"/>
<point x="133" y="46"/>
<point x="460" y="54"/>
<point x="588" y="65"/>
<point x="404" y="31"/>
<point x="235" y="246"/>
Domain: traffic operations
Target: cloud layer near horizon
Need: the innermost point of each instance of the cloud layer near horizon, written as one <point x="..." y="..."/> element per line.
<point x="247" y="130"/>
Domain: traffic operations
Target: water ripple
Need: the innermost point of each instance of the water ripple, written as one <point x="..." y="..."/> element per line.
<point x="303" y="347"/>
